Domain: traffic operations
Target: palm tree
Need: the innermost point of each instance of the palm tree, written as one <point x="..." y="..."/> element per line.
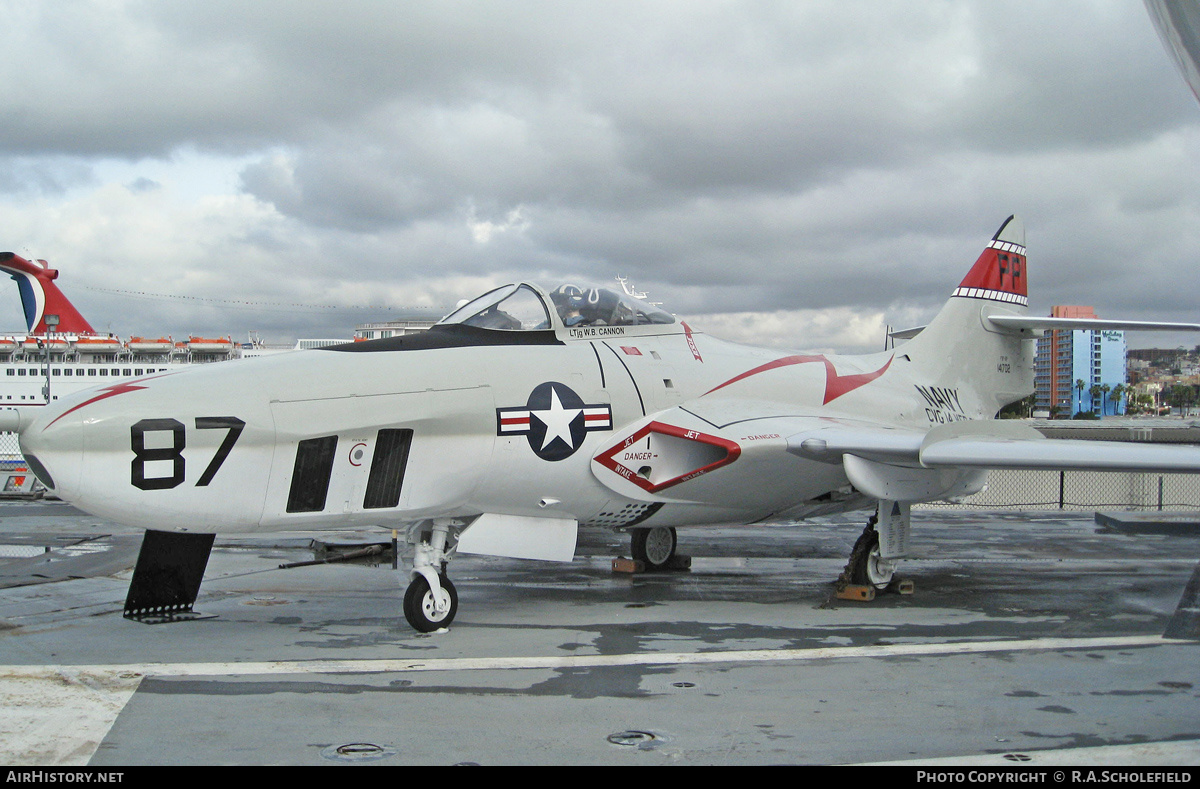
<point x="1104" y="396"/>
<point x="1179" y="396"/>
<point x="1079" y="384"/>
<point x="1095" y="391"/>
<point x="1117" y="393"/>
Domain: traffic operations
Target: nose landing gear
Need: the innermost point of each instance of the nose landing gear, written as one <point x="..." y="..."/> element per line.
<point x="431" y="601"/>
<point x="428" y="608"/>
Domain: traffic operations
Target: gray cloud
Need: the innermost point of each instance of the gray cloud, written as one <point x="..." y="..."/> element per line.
<point x="732" y="157"/>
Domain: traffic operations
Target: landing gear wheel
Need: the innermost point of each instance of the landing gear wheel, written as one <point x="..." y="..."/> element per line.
<point x="879" y="570"/>
<point x="866" y="566"/>
<point x="420" y="608"/>
<point x="653" y="547"/>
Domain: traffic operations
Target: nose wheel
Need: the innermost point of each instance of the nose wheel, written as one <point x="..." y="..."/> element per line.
<point x="427" y="609"/>
<point x="431" y="601"/>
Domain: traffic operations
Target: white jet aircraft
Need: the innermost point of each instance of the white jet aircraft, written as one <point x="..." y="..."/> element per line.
<point x="526" y="414"/>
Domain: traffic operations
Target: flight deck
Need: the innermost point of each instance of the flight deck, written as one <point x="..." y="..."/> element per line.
<point x="1031" y="638"/>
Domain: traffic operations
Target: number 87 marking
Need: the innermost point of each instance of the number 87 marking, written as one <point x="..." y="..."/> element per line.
<point x="174" y="453"/>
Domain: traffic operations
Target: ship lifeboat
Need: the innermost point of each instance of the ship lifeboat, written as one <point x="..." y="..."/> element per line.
<point x="98" y="345"/>
<point x="150" y="345"/>
<point x="31" y="345"/>
<point x="205" y="345"/>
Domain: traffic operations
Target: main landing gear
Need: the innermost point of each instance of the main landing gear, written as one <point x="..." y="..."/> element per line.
<point x="876" y="553"/>
<point x="653" y="547"/>
<point x="866" y="567"/>
<point x="431" y="600"/>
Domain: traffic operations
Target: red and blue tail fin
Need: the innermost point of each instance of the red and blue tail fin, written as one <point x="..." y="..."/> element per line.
<point x="41" y="297"/>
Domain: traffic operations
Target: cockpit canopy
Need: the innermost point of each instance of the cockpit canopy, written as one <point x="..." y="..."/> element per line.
<point x="526" y="308"/>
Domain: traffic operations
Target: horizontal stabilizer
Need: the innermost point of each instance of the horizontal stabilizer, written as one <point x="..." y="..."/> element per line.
<point x="906" y="334"/>
<point x="1036" y="323"/>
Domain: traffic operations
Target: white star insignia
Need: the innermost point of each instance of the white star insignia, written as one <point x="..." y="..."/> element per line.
<point x="557" y="420"/>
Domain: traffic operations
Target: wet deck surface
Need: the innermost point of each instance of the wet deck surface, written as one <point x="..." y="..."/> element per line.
<point x="1029" y="635"/>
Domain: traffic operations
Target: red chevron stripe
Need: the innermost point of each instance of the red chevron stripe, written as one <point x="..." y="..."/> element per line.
<point x="835" y="385"/>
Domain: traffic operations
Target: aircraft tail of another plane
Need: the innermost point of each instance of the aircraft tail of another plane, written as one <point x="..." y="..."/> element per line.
<point x="962" y="345"/>
<point x="41" y="297"/>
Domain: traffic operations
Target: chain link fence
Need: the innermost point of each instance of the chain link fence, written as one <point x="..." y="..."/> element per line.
<point x="1082" y="490"/>
<point x="16" y="480"/>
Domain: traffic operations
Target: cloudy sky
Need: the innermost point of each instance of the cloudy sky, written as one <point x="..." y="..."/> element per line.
<point x="794" y="173"/>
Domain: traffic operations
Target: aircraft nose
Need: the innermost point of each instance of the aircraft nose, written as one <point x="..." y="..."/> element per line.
<point x="52" y="445"/>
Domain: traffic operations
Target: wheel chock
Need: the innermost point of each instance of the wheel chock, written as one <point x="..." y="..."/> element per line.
<point x="631" y="566"/>
<point x="679" y="562"/>
<point x="862" y="594"/>
<point x="900" y="586"/>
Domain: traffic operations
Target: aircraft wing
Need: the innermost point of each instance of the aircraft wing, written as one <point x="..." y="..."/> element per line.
<point x="1061" y="454"/>
<point x="732" y="454"/>
<point x="952" y="460"/>
<point x="1034" y="323"/>
<point x="992" y="444"/>
<point x="722" y="451"/>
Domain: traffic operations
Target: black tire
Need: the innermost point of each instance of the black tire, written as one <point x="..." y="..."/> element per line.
<point x="654" y="547"/>
<point x="863" y="546"/>
<point x="864" y="558"/>
<point x="418" y="605"/>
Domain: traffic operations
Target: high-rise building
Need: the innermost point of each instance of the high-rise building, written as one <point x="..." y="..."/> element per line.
<point x="1077" y="370"/>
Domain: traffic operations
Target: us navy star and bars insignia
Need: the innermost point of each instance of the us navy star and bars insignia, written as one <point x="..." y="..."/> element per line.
<point x="554" y="420"/>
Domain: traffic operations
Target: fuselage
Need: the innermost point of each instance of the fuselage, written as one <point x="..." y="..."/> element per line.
<point x="608" y="425"/>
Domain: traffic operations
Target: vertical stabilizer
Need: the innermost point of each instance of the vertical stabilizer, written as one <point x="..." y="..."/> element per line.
<point x="41" y="297"/>
<point x="960" y="345"/>
<point x="999" y="273"/>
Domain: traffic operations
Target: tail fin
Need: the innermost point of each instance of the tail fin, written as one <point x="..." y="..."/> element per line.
<point x="962" y="345"/>
<point x="999" y="273"/>
<point x="41" y="297"/>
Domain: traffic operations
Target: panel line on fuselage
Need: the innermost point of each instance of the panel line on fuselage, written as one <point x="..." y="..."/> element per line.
<point x="724" y="425"/>
<point x="636" y="388"/>
<point x="599" y="364"/>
